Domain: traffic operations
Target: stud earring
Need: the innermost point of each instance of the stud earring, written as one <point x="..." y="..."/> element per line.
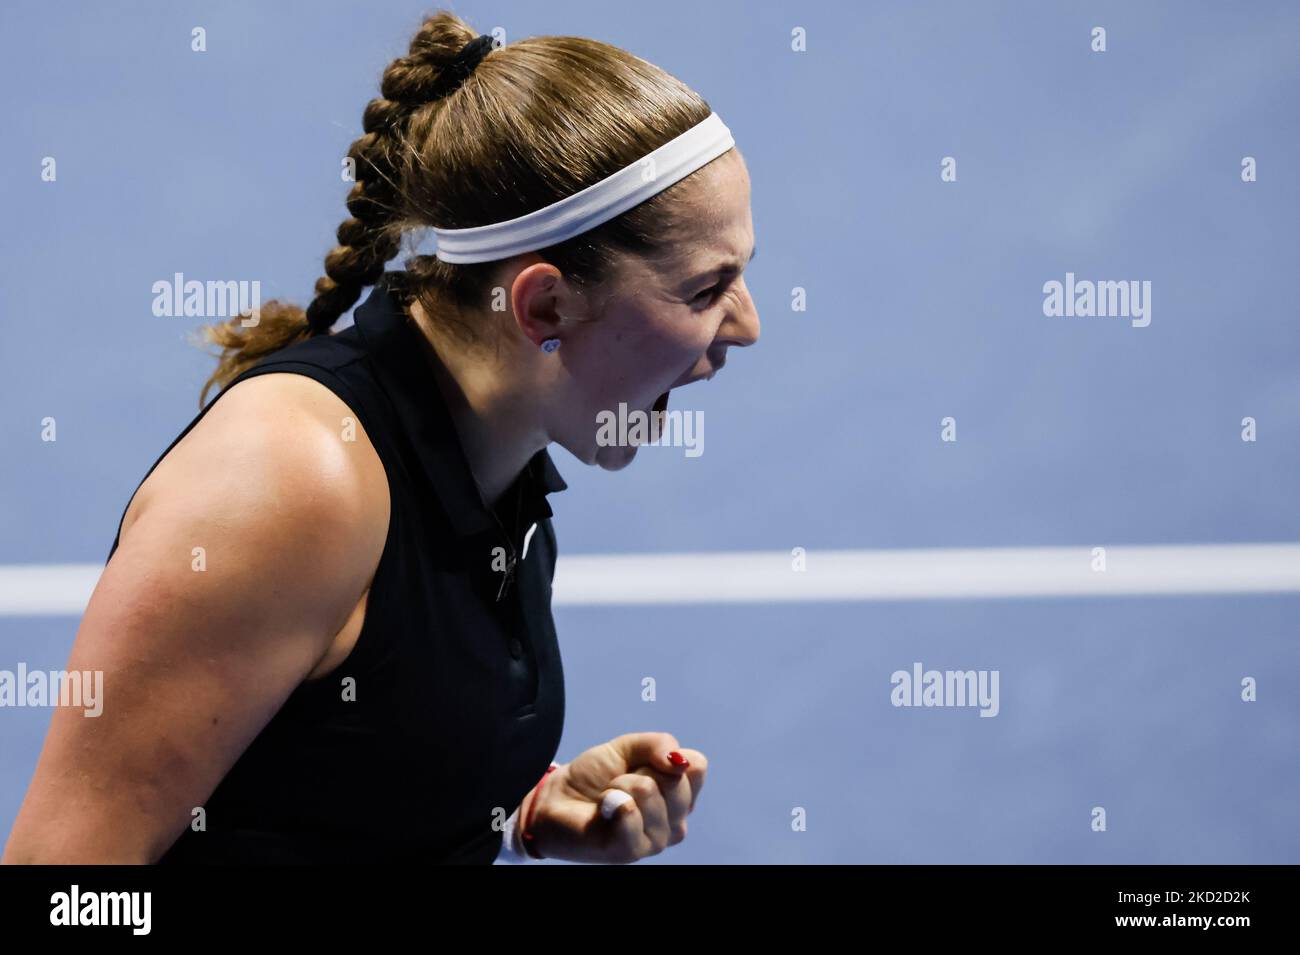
<point x="550" y="345"/>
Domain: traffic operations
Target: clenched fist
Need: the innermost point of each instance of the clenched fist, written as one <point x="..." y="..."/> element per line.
<point x="567" y="822"/>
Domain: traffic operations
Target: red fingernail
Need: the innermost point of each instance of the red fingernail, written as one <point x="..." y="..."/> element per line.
<point x="677" y="759"/>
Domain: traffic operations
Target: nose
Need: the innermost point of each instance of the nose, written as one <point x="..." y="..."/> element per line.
<point x="741" y="326"/>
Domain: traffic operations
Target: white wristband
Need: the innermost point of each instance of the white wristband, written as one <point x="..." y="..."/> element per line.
<point x="512" y="847"/>
<point x="511" y="851"/>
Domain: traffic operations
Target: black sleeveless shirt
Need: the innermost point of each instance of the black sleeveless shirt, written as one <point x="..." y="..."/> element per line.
<point x="450" y="706"/>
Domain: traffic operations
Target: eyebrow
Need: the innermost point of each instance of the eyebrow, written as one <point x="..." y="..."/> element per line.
<point x="728" y="269"/>
<point x="735" y="268"/>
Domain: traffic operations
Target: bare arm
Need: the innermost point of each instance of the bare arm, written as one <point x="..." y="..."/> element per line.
<point x="292" y="521"/>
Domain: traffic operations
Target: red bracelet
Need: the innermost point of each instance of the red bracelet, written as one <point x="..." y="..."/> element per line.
<point x="527" y="837"/>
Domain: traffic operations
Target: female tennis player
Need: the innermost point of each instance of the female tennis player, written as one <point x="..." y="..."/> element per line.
<point x="325" y="625"/>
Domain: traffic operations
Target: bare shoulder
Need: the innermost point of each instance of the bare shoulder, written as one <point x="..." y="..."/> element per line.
<point x="251" y="545"/>
<point x="280" y="491"/>
<point x="276" y="439"/>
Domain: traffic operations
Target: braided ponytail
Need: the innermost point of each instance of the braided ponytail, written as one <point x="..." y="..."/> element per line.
<point x="372" y="236"/>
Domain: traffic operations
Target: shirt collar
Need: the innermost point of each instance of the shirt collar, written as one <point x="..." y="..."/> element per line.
<point x="397" y="349"/>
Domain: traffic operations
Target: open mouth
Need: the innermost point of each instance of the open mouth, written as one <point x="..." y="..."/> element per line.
<point x="659" y="413"/>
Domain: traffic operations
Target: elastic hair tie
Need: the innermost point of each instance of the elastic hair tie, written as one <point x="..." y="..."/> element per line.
<point x="462" y="65"/>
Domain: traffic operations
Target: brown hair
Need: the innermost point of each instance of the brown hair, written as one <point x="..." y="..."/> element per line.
<point x="537" y="120"/>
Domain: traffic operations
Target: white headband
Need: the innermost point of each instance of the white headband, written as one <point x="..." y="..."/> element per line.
<point x="575" y="214"/>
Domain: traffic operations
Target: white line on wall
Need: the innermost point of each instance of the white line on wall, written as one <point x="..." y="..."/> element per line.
<point x="831" y="575"/>
<point x="939" y="574"/>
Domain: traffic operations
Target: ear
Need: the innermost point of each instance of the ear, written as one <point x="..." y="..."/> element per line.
<point x="535" y="297"/>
